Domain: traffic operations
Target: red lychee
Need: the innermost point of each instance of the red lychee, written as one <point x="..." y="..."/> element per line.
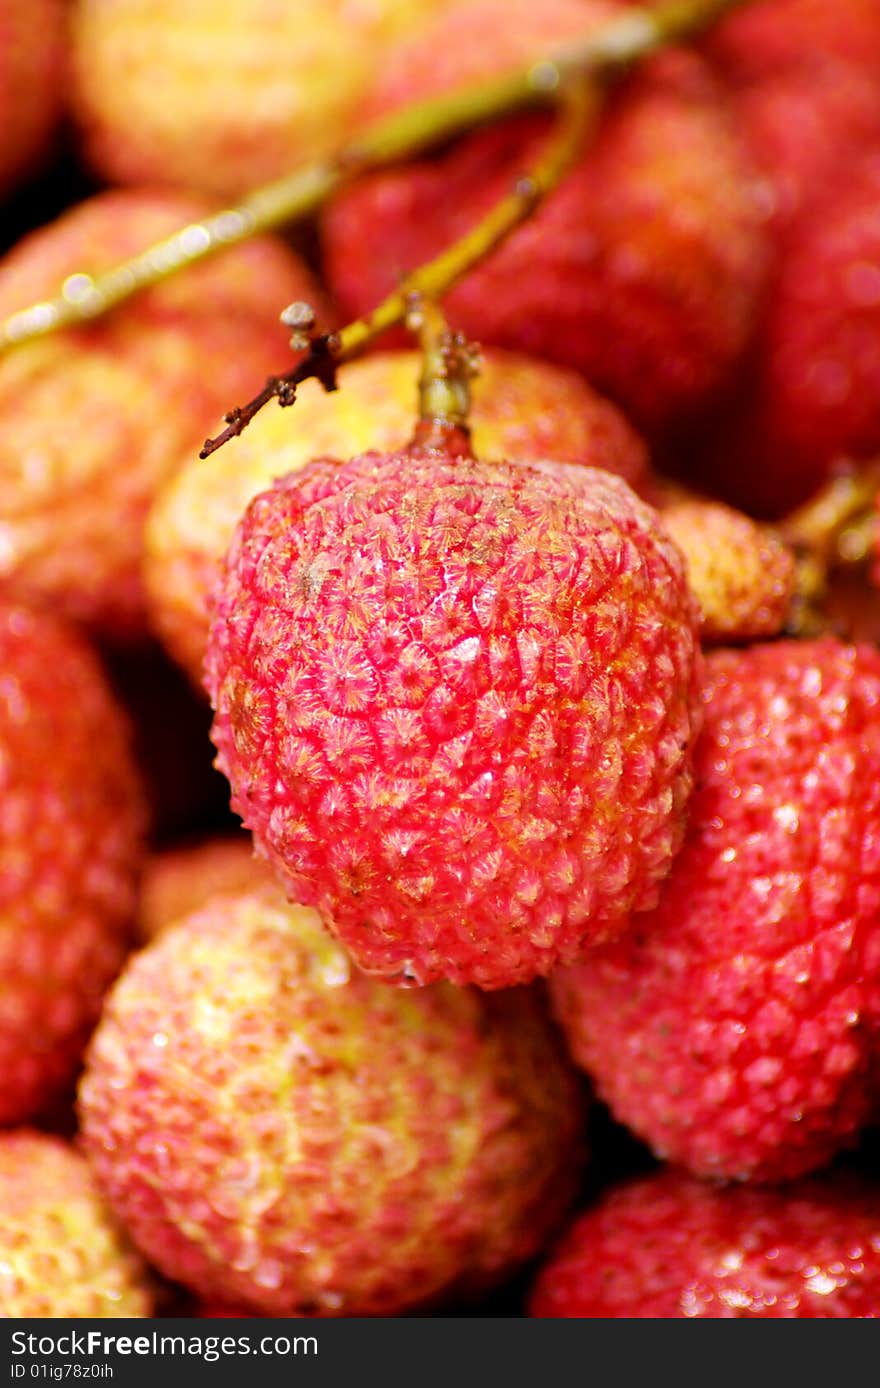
<point x="642" y="269"/>
<point x="522" y="410"/>
<point x="804" y="79"/>
<point x="31" y="67"/>
<point x="666" y="1247"/>
<point x="71" y="823"/>
<point x="61" y="1252"/>
<point x="223" y="97"/>
<point x="733" y="1027"/>
<point x="455" y="702"/>
<point x="93" y="418"/>
<point x="812" y="396"/>
<point x="279" y="1132"/>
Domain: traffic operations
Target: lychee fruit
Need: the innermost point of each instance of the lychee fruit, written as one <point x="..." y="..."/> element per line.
<point x="71" y="826"/>
<point x="667" y="1247"/>
<point x="741" y="573"/>
<point x="522" y="410"/>
<point x="94" y="417"/>
<point x="455" y="702"/>
<point x="280" y="1133"/>
<point x="222" y="98"/>
<point x="642" y="270"/>
<point x="810" y="400"/>
<point x="733" y="1027"/>
<point x="32" y="42"/>
<point x="62" y="1253"/>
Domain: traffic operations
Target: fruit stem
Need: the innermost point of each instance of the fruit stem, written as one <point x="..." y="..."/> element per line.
<point x="836" y="528"/>
<point x="606" y="50"/>
<point x="579" y="105"/>
<point x="449" y="364"/>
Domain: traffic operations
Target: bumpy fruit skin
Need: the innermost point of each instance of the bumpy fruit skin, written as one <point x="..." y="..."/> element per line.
<point x="71" y="826"/>
<point x="741" y="573"/>
<point x="641" y="270"/>
<point x="177" y="881"/>
<point x="31" y="68"/>
<point x="61" y="1252"/>
<point x="281" y="1133"/>
<point x="455" y="702"/>
<point x="92" y="419"/>
<point x="733" y="1027"/>
<point x="671" y="1248"/>
<point x="222" y="98"/>
<point x="522" y="410"/>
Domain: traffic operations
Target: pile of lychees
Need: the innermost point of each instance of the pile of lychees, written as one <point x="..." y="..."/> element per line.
<point x="512" y="943"/>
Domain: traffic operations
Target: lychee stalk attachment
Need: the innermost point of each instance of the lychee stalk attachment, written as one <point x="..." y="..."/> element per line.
<point x="449" y="364"/>
<point x="835" y="529"/>
<point x="604" y="52"/>
<point x="579" y="106"/>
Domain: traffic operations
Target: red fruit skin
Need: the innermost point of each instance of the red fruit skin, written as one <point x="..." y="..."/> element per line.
<point x="733" y="1027"/>
<point x="281" y="1133"/>
<point x="71" y="826"/>
<point x="821" y="389"/>
<point x="671" y="1248"/>
<point x="766" y="37"/>
<point x="804" y="79"/>
<point x="455" y="701"/>
<point x="641" y="270"/>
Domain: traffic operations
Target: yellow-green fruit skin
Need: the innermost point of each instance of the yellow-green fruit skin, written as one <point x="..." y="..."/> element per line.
<point x="282" y="1133"/>
<point x="61" y="1252"/>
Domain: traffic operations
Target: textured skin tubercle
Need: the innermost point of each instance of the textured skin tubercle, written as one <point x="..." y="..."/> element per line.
<point x="455" y="701"/>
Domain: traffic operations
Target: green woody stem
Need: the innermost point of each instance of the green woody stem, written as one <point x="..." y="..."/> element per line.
<point x="605" y="50"/>
<point x="579" y="105"/>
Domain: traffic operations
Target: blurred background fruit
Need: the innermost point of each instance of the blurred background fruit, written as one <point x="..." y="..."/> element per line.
<point x="222" y="97"/>
<point x="94" y="417"/>
<point x="32" y="62"/>
<point x="323" y="1144"/>
<point x="642" y="269"/>
<point x="62" y="1254"/>
<point x="72" y="820"/>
